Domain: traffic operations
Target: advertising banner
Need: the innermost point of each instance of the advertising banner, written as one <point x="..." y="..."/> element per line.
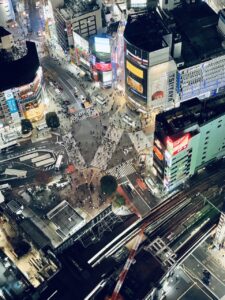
<point x="102" y="45"/>
<point x="11" y="102"/>
<point x="81" y="49"/>
<point x="174" y="146"/>
<point x="134" y="70"/>
<point x="162" y="81"/>
<point x="136" y="81"/>
<point x="158" y="153"/>
<point x="104" y="67"/>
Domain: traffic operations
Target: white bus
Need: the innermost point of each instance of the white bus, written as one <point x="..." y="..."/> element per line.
<point x="40" y="158"/>
<point x="58" y="162"/>
<point x="28" y="156"/>
<point x="16" y="172"/>
<point x="45" y="163"/>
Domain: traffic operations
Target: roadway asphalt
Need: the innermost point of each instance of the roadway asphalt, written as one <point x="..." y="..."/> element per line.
<point x="201" y="259"/>
<point x="64" y="79"/>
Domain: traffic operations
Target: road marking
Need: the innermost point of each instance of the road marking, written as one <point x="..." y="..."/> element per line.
<point x="207" y="269"/>
<point x="186" y="291"/>
<point x="191" y="276"/>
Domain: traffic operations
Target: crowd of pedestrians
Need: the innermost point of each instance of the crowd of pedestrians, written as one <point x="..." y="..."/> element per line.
<point x="107" y="147"/>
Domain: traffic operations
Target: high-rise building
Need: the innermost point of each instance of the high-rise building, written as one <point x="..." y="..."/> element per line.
<point x="6" y="12"/>
<point x="187" y="139"/>
<point x="180" y="55"/>
<point x="82" y="17"/>
<point x="150" y="72"/>
<point x="21" y="93"/>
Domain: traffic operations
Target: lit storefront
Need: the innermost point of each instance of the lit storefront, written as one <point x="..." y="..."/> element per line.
<point x="30" y="98"/>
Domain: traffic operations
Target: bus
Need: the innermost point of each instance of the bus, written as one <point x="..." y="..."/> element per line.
<point x="45" y="163"/>
<point x="40" y="158"/>
<point x="16" y="172"/>
<point x="58" y="162"/>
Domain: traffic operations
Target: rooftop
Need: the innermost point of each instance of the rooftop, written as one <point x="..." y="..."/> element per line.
<point x="21" y="71"/>
<point x="149" y="39"/>
<point x="65" y="218"/>
<point x="74" y="8"/>
<point x="197" y="25"/>
<point x="190" y="113"/>
<point x="3" y="32"/>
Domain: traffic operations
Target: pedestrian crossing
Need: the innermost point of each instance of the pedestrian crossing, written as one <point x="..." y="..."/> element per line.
<point x="47" y="168"/>
<point x="107" y="148"/>
<point x="122" y="170"/>
<point x="73" y="150"/>
<point x="140" y="140"/>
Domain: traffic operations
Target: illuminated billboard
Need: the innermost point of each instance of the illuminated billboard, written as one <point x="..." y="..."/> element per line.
<point x="138" y="3"/>
<point x="104" y="67"/>
<point x="158" y="153"/>
<point x="162" y="80"/>
<point x="11" y="102"/>
<point x="135" y="70"/>
<point x="107" y="77"/>
<point x="137" y="86"/>
<point x="102" y="45"/>
<point x="176" y="145"/>
<point x="81" y="50"/>
<point x="136" y="81"/>
<point x="137" y="55"/>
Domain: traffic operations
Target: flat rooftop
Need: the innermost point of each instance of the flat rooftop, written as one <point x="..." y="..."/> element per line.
<point x="3" y="32"/>
<point x="197" y="25"/>
<point x="145" y="31"/>
<point x="65" y="218"/>
<point x="73" y="8"/>
<point x="21" y="71"/>
<point x="188" y="114"/>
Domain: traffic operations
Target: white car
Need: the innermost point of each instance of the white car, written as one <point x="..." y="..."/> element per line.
<point x="127" y="119"/>
<point x="57" y="91"/>
<point x="82" y="98"/>
<point x="75" y="89"/>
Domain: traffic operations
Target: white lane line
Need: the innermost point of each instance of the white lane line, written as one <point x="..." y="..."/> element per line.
<point x="205" y="267"/>
<point x="186" y="291"/>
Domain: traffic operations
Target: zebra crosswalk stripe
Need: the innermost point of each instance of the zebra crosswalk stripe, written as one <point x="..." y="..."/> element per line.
<point x="123" y="170"/>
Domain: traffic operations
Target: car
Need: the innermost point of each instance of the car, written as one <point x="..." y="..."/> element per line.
<point x="82" y="98"/>
<point x="75" y="89"/>
<point x="57" y="91"/>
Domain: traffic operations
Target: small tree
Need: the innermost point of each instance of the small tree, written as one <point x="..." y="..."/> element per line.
<point x="26" y="126"/>
<point x="108" y="184"/>
<point x="52" y="120"/>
